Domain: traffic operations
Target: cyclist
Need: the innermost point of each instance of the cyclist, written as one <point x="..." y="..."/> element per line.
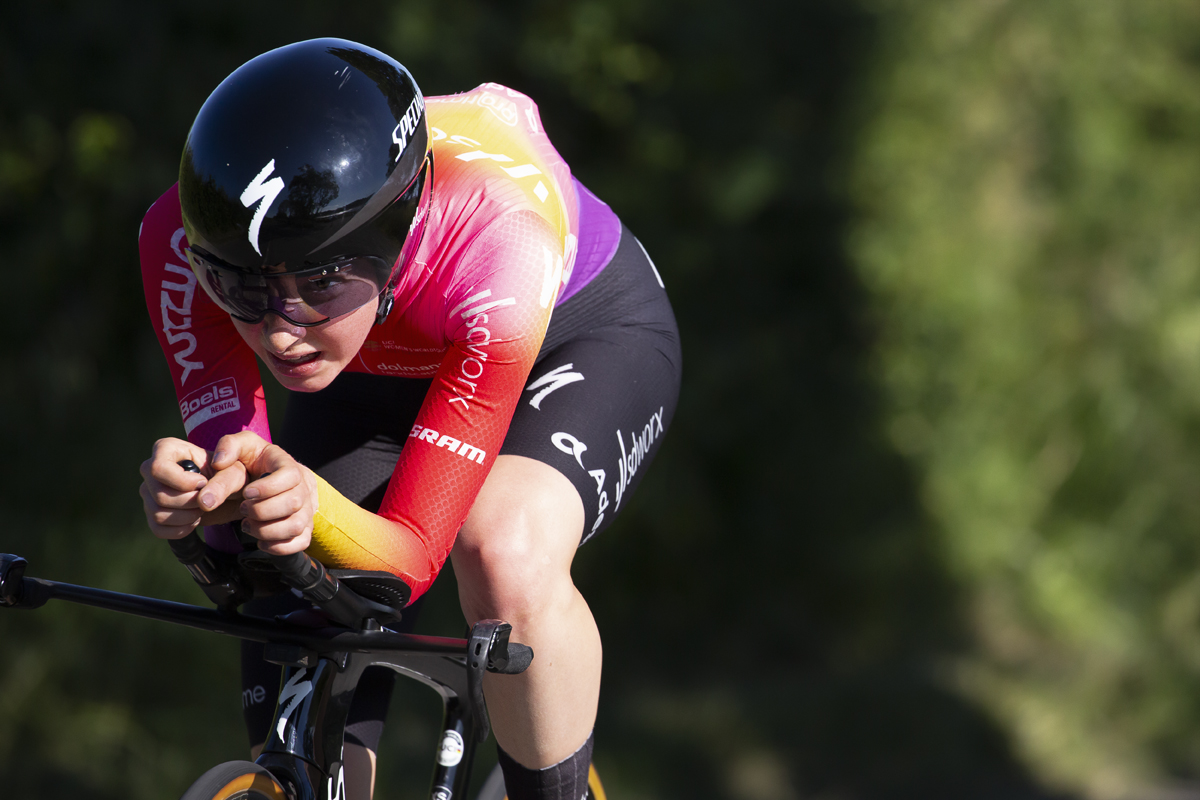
<point x="482" y="361"/>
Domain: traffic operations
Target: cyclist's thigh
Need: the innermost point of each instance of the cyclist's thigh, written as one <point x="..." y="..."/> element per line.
<point x="597" y="404"/>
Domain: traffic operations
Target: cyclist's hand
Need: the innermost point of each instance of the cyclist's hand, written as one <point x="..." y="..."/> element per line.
<point x="171" y="496"/>
<point x="279" y="507"/>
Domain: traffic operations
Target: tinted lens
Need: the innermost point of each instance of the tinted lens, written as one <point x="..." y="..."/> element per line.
<point x="308" y="297"/>
<point x="342" y="288"/>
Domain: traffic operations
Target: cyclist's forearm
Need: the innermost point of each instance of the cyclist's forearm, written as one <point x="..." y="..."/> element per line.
<point x="346" y="536"/>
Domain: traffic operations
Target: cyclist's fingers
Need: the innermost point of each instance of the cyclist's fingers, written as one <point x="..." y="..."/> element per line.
<point x="280" y="536"/>
<point x="163" y="465"/>
<point x="286" y="547"/>
<point x="166" y="532"/>
<point x="278" y="507"/>
<point x="167" y="523"/>
<point x="173" y="523"/>
<point x="246" y="447"/>
<point x="224" y="483"/>
<point x="166" y="497"/>
<point x="161" y="495"/>
<point x="280" y="473"/>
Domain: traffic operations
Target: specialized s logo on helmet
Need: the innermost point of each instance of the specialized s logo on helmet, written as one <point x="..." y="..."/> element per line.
<point x="266" y="193"/>
<point x="408" y="124"/>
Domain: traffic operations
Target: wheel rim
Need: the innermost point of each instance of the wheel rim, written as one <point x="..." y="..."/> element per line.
<point x="249" y="787"/>
<point x="597" y="790"/>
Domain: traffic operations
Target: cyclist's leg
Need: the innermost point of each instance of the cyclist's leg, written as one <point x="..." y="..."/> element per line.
<point x="592" y="417"/>
<point x="512" y="561"/>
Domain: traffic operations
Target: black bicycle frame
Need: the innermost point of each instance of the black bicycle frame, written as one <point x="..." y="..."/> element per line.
<point x="322" y="668"/>
<point x="304" y="745"/>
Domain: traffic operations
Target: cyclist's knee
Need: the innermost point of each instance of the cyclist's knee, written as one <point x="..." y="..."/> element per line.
<point x="513" y="555"/>
<point x="504" y="570"/>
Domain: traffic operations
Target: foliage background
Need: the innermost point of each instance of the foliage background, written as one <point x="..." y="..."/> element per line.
<point x="925" y="523"/>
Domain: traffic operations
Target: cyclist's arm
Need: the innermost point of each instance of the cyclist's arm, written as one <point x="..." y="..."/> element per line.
<point x="497" y="317"/>
<point x="214" y="372"/>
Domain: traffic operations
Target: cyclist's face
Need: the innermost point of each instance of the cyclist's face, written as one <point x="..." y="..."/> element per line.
<point x="308" y="359"/>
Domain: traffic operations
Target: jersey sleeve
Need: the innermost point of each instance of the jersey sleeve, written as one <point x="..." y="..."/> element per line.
<point x="215" y="374"/>
<point x="496" y="318"/>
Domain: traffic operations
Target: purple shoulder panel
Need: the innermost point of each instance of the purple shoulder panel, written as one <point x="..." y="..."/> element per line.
<point x="599" y="235"/>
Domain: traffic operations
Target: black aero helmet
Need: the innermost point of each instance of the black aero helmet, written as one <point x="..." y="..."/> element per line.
<point x="302" y="178"/>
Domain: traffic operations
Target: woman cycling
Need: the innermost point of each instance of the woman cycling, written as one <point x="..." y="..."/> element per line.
<point x="481" y="358"/>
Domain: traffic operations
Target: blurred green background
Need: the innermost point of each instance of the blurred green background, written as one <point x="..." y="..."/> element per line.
<point x="925" y="524"/>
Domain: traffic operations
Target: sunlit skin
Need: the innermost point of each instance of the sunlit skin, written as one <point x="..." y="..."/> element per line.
<point x="512" y="556"/>
<point x="307" y="359"/>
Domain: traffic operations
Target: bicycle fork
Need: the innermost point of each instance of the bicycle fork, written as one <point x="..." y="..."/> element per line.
<point x="304" y="746"/>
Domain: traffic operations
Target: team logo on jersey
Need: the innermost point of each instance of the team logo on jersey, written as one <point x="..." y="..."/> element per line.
<point x="639" y="446"/>
<point x="252" y="697"/>
<point x="475" y="310"/>
<point x="501" y="107"/>
<point x="573" y="447"/>
<point x="467" y="451"/>
<point x="264" y="194"/>
<point x="554" y="379"/>
<point x="421" y="371"/>
<point x="183" y="290"/>
<point x="213" y="400"/>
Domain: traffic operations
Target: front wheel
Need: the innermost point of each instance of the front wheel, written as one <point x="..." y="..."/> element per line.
<point x="493" y="787"/>
<point x="236" y="780"/>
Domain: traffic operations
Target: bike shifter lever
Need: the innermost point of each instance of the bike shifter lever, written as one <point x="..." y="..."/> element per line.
<point x="489" y="649"/>
<point x="12" y="574"/>
<point x="192" y="552"/>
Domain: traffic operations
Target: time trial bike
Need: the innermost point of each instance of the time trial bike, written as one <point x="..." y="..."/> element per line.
<point x="302" y="759"/>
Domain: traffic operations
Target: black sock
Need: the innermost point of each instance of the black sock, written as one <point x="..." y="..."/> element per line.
<point x="566" y="780"/>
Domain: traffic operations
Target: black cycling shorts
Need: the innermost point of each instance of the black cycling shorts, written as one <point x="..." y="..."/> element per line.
<point x="598" y="401"/>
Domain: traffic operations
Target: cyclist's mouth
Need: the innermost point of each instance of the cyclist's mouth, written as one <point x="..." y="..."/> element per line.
<point x="295" y="367"/>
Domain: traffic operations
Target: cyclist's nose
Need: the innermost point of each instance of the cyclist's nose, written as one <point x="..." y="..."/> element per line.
<point x="279" y="334"/>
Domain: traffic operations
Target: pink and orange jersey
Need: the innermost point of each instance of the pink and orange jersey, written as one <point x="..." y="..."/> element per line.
<point x="471" y="311"/>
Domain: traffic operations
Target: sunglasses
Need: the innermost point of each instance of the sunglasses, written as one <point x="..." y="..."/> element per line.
<point x="307" y="297"/>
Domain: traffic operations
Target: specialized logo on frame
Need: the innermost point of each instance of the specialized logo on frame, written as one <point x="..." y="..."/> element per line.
<point x="290" y="697"/>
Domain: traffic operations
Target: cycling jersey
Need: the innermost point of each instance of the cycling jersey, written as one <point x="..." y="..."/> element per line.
<point x="508" y="234"/>
<point x="595" y="408"/>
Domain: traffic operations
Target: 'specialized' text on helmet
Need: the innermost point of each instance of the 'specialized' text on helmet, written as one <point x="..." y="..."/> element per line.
<point x="305" y="181"/>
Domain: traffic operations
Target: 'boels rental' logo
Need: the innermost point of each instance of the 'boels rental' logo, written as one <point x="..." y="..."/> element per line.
<point x="208" y="402"/>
